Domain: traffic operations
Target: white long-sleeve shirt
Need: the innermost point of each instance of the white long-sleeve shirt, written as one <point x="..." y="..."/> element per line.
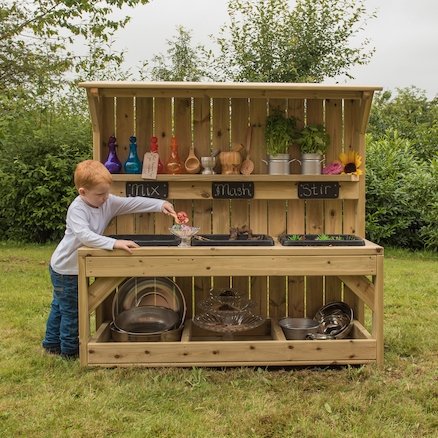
<point x="85" y="225"/>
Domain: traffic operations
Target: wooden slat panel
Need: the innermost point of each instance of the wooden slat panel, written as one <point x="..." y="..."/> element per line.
<point x="125" y="126"/>
<point x="314" y="220"/>
<point x="296" y="292"/>
<point x="163" y="125"/>
<point x="221" y="225"/>
<point x="163" y="131"/>
<point x="277" y="285"/>
<point x="186" y="283"/>
<point x="351" y="207"/>
<point x="257" y="116"/>
<point x="333" y="208"/>
<point x="239" y="208"/>
<point x="108" y="129"/>
<point x="183" y="126"/>
<point x="143" y="124"/>
<point x="143" y="131"/>
<point x="295" y="108"/>
<point x="221" y="124"/>
<point x="222" y="265"/>
<point x="296" y="216"/>
<point x="276" y="226"/>
<point x="239" y="218"/>
<point x="202" y="209"/>
<point x="259" y="285"/>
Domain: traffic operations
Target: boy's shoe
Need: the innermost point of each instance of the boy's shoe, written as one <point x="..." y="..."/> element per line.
<point x="71" y="356"/>
<point x="52" y="350"/>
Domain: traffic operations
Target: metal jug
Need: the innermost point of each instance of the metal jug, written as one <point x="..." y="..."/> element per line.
<point x="278" y="164"/>
<point x="311" y="164"/>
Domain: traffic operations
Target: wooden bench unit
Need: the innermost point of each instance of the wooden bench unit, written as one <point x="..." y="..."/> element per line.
<point x="353" y="266"/>
<point x="283" y="281"/>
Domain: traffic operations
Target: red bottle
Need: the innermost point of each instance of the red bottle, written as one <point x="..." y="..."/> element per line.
<point x="154" y="150"/>
<point x="174" y="164"/>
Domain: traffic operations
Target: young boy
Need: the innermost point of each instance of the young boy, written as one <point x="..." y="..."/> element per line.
<point x="87" y="218"/>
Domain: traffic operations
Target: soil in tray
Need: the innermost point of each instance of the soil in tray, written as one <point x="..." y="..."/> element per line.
<point x="224" y="240"/>
<point x="321" y="240"/>
<point x="150" y="239"/>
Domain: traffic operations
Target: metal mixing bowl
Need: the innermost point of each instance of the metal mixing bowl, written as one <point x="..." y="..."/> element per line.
<point x="146" y="319"/>
<point x="298" y="328"/>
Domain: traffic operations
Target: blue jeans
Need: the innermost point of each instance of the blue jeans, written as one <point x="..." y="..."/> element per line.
<point x="62" y="324"/>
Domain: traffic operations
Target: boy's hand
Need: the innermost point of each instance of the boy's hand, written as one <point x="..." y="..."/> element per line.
<point x="126" y="245"/>
<point x="168" y="209"/>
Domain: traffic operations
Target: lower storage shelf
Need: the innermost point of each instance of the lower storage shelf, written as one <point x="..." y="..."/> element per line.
<point x="264" y="345"/>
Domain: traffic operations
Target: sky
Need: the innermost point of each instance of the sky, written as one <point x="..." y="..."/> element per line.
<point x="404" y="34"/>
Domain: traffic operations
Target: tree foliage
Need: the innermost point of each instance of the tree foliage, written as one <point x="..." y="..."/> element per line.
<point x="267" y="41"/>
<point x="36" y="40"/>
<point x="182" y="62"/>
<point x="411" y="115"/>
<point x="402" y="170"/>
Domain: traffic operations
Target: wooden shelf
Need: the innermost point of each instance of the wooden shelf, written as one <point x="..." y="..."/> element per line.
<point x="256" y="178"/>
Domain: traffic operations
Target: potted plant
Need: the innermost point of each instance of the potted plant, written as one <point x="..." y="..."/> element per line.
<point x="280" y="132"/>
<point x="313" y="141"/>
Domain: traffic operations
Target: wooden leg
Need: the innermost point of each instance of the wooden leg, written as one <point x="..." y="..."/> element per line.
<point x="378" y="310"/>
<point x="84" y="317"/>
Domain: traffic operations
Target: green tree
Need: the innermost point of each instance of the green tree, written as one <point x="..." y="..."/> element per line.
<point x="412" y="115"/>
<point x="182" y="61"/>
<point x="266" y="41"/>
<point x="36" y="40"/>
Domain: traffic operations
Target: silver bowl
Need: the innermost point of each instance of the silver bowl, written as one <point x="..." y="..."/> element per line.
<point x="146" y="319"/>
<point x="298" y="328"/>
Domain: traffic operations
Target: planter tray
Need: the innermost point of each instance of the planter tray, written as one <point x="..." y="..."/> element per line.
<point x="311" y="240"/>
<point x="150" y="239"/>
<point x="224" y="240"/>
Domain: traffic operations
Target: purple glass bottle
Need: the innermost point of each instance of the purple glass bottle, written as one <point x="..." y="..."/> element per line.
<point x="113" y="163"/>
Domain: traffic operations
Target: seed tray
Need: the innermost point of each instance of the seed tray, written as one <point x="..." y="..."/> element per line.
<point x="224" y="240"/>
<point x="314" y="240"/>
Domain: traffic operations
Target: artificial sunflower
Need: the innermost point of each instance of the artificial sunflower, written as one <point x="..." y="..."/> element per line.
<point x="351" y="161"/>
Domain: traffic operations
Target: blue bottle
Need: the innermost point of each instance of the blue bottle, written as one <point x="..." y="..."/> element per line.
<point x="113" y="163"/>
<point x="133" y="164"/>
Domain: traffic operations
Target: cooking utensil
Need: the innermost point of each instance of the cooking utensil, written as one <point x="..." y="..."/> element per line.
<point x="192" y="163"/>
<point x="335" y="319"/>
<point x="247" y="166"/>
<point x="167" y="336"/>
<point x="230" y="162"/>
<point x="208" y="164"/>
<point x="298" y="328"/>
<point x="146" y="319"/>
<point x="138" y="291"/>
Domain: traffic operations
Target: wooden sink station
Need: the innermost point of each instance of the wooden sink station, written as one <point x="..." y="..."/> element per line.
<point x="282" y="280"/>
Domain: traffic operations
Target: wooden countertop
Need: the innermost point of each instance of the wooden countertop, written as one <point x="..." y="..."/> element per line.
<point x="369" y="248"/>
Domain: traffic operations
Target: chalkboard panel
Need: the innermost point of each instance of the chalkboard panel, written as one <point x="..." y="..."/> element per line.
<point x="232" y="190"/>
<point x="149" y="189"/>
<point x="318" y="190"/>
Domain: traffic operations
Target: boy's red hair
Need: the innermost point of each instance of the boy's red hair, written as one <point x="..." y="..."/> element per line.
<point x="90" y="173"/>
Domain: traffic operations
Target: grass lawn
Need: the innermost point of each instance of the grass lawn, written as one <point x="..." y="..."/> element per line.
<point x="45" y="396"/>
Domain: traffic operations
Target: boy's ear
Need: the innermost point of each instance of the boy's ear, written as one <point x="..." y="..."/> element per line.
<point x="81" y="191"/>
